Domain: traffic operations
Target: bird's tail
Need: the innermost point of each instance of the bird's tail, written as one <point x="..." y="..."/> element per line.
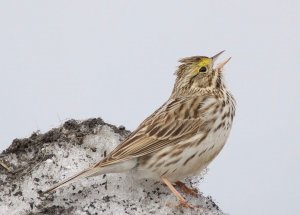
<point x="92" y="171"/>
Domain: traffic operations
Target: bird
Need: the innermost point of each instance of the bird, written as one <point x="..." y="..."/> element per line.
<point x="181" y="137"/>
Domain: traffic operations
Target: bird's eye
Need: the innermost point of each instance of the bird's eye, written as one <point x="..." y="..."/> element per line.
<point x="203" y="69"/>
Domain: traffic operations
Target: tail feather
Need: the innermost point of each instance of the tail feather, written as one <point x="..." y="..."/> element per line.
<point x="85" y="173"/>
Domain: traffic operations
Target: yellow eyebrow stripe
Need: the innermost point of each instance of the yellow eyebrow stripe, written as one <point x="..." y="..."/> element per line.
<point x="204" y="62"/>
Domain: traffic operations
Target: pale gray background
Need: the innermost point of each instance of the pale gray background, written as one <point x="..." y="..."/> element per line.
<point x="115" y="59"/>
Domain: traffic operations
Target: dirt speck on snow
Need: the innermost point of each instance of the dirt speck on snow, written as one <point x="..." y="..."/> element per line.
<point x="31" y="165"/>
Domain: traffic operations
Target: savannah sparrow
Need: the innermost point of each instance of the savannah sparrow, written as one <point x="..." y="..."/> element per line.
<point x="180" y="138"/>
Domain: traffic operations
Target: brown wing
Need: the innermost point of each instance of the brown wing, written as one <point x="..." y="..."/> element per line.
<point x="176" y="120"/>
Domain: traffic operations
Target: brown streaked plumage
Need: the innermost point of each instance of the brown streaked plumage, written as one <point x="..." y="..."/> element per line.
<point x="180" y="138"/>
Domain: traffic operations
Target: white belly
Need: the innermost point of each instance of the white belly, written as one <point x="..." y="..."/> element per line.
<point x="194" y="158"/>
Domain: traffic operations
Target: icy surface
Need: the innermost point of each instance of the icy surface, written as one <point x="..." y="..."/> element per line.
<point x="36" y="163"/>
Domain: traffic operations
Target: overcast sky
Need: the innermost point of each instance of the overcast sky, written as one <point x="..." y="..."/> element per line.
<point x="116" y="59"/>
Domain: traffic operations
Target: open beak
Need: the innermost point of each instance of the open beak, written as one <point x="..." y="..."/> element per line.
<point x="215" y="57"/>
<point x="220" y="65"/>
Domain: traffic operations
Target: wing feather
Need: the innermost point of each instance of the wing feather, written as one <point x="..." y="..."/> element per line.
<point x="171" y="123"/>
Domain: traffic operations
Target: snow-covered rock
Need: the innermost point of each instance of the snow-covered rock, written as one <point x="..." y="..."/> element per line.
<point x="31" y="165"/>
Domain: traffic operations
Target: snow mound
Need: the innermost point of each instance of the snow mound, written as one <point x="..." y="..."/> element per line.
<point x="30" y="166"/>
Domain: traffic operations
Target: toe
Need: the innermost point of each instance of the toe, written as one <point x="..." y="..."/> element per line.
<point x="185" y="204"/>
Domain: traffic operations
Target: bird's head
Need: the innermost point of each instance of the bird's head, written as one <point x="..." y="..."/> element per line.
<point x="199" y="72"/>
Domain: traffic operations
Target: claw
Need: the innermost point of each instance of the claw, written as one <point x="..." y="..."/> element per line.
<point x="186" y="189"/>
<point x="185" y="204"/>
<point x="182" y="201"/>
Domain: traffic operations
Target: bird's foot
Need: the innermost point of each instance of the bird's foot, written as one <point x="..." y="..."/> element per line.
<point x="185" y="204"/>
<point x="186" y="189"/>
